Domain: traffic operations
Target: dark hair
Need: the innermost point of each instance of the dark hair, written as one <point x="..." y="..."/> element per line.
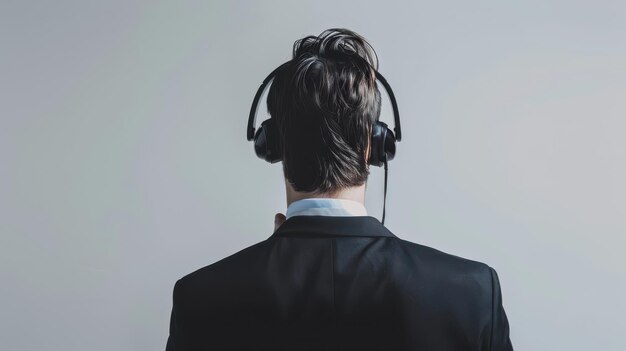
<point x="324" y="103"/>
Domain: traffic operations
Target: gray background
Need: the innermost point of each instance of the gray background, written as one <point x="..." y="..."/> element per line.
<point x="124" y="164"/>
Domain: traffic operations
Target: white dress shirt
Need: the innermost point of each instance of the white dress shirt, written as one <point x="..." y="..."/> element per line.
<point x="325" y="207"/>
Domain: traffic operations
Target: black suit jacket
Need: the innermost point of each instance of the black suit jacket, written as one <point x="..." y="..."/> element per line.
<point x="339" y="283"/>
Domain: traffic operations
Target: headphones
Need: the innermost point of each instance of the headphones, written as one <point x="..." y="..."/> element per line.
<point x="382" y="141"/>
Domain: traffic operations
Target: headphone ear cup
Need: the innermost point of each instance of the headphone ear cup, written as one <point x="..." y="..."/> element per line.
<point x="266" y="142"/>
<point x="383" y="144"/>
<point x="390" y="145"/>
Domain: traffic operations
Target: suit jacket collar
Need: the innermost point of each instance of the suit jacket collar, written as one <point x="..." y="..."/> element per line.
<point x="324" y="226"/>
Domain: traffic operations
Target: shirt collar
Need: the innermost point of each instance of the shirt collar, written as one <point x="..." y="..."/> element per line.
<point x="325" y="207"/>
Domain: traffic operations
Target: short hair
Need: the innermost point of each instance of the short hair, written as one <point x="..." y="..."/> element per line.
<point x="324" y="102"/>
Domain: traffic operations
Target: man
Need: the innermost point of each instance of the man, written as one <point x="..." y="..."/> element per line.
<point x="331" y="277"/>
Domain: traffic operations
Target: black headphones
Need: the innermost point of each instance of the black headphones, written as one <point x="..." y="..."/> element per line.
<point x="383" y="140"/>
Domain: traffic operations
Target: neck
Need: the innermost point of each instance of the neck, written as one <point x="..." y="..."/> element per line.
<point x="356" y="193"/>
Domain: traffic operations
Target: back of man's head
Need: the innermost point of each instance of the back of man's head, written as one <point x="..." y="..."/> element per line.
<point x="324" y="103"/>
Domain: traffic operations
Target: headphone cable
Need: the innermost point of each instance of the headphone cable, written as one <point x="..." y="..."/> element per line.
<point x="385" y="193"/>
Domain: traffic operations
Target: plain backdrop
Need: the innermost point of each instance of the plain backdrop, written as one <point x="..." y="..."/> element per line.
<point x="124" y="164"/>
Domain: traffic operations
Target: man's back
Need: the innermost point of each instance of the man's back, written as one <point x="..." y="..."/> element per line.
<point x="337" y="283"/>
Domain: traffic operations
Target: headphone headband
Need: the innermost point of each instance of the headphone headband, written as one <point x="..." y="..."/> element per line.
<point x="253" y="110"/>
